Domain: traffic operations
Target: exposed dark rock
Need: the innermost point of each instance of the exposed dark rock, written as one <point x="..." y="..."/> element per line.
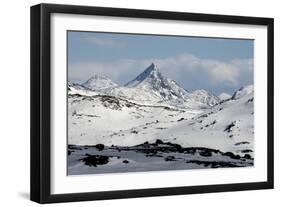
<point x="129" y="105"/>
<point x="206" y="153"/>
<point x="232" y="156"/>
<point x="94" y="160"/>
<point x="159" y="141"/>
<point x="169" y="152"/>
<point x="111" y="102"/>
<point x="190" y="150"/>
<point x="247" y="156"/>
<point x="178" y="147"/>
<point x="228" y="128"/>
<point x="100" y="147"/>
<point x="73" y="147"/>
<point x="153" y="155"/>
<point x="246" y="151"/>
<point x="203" y="116"/>
<point x="214" y="122"/>
<point x="240" y="143"/>
<point x="170" y="158"/>
<point x="213" y="164"/>
<point x="250" y="100"/>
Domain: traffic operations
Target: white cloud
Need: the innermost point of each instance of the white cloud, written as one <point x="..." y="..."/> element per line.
<point x="102" y="41"/>
<point x="217" y="71"/>
<point x="189" y="71"/>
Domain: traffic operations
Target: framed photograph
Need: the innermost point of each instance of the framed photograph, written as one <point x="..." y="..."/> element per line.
<point x="132" y="103"/>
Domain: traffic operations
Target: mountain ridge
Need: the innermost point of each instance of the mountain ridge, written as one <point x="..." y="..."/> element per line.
<point x="151" y="87"/>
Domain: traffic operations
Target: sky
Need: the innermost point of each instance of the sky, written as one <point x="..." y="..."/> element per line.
<point x="215" y="64"/>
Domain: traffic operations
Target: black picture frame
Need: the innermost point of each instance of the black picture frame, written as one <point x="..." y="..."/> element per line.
<point x="41" y="98"/>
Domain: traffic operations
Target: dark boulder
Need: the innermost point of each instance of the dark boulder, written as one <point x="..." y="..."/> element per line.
<point x="232" y="156"/>
<point x="100" y="147"/>
<point x="206" y="153"/>
<point x="170" y="158"/>
<point x="94" y="160"/>
<point x="247" y="156"/>
<point x="159" y="141"/>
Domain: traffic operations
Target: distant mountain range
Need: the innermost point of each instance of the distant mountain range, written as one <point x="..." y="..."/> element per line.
<point x="150" y="87"/>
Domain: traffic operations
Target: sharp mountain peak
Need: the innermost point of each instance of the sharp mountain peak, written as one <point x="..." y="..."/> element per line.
<point x="152" y="72"/>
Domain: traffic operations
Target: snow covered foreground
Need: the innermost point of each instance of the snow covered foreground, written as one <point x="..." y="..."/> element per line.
<point x="152" y="108"/>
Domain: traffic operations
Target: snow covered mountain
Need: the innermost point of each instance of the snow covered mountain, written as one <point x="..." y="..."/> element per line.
<point x="159" y="89"/>
<point x="152" y="88"/>
<point x="153" y="80"/>
<point x="228" y="126"/>
<point x="224" y="96"/>
<point x="243" y="91"/>
<point x="99" y="83"/>
<point x="75" y="88"/>
<point x="204" y="97"/>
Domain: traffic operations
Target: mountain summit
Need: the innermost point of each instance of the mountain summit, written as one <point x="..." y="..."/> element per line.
<point x="151" y="79"/>
<point x="243" y="91"/>
<point x="224" y="96"/>
<point x="149" y="74"/>
<point x="99" y="83"/>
